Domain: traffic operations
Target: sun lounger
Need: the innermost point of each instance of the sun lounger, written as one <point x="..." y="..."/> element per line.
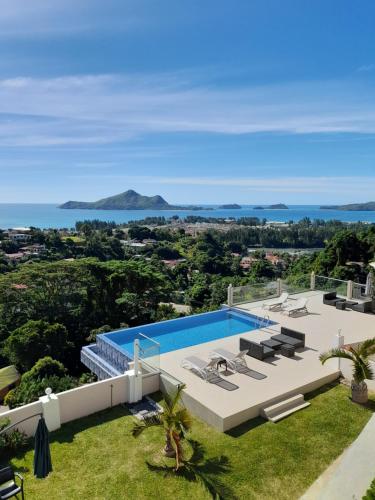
<point x="275" y="304"/>
<point x="207" y="370"/>
<point x="299" y="306"/>
<point x="231" y="358"/>
<point x="237" y="363"/>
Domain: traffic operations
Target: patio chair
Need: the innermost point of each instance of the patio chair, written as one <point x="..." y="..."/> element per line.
<point x="237" y="363"/>
<point x="299" y="306"/>
<point x="257" y="351"/>
<point x="367" y="306"/>
<point x="205" y="369"/>
<point x="8" y="486"/>
<point x="331" y="298"/>
<point x="275" y="304"/>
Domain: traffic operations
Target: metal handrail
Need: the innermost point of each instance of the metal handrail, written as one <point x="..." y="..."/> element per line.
<point x="262" y="323"/>
<point x="149" y="338"/>
<point x="19" y="422"/>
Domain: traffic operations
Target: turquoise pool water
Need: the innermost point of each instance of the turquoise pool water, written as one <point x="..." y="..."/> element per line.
<point x="185" y="332"/>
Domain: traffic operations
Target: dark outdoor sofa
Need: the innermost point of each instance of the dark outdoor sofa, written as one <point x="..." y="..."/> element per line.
<point x="367" y="306"/>
<point x="255" y="350"/>
<point x="331" y="298"/>
<point x="291" y="337"/>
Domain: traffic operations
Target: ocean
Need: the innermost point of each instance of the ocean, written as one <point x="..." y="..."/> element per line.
<point x="47" y="216"/>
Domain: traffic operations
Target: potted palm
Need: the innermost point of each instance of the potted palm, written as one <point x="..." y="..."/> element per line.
<point x="362" y="369"/>
<point x="175" y="422"/>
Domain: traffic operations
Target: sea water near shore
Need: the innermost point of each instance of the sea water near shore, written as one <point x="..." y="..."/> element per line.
<point x="50" y="216"/>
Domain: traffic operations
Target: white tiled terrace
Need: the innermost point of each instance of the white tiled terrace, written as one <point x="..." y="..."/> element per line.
<point x="285" y="376"/>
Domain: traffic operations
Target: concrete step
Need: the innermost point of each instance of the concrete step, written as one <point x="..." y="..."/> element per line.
<point x="284" y="408"/>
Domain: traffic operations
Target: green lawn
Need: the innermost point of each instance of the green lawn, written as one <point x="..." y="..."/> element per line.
<point x="96" y="458"/>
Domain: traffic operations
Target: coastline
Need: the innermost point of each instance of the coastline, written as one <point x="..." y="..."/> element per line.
<point x="46" y="216"/>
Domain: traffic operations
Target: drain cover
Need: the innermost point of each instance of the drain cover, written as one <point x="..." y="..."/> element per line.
<point x="146" y="408"/>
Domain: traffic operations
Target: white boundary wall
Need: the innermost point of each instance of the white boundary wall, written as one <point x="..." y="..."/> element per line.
<point x="83" y="401"/>
<point x="29" y="426"/>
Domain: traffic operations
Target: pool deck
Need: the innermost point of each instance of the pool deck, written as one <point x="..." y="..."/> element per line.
<point x="285" y="376"/>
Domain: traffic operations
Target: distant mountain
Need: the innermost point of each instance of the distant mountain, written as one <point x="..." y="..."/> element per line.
<point x="277" y="206"/>
<point x="129" y="200"/>
<point x="230" y="206"/>
<point x="352" y="207"/>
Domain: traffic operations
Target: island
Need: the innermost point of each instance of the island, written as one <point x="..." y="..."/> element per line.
<point x="230" y="206"/>
<point x="129" y="200"/>
<point x="277" y="206"/>
<point x="352" y="207"/>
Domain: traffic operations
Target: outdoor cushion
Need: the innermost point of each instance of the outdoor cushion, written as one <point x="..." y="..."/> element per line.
<point x="285" y="339"/>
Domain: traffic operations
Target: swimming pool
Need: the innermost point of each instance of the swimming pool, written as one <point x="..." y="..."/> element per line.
<point x="188" y="331"/>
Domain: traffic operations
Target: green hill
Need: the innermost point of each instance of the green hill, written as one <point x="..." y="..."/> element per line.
<point x="352" y="207"/>
<point x="129" y="200"/>
<point x="230" y="206"/>
<point x="278" y="206"/>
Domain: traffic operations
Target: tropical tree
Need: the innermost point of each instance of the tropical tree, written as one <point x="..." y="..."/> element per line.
<point x="47" y="372"/>
<point x="206" y="471"/>
<point x="362" y="369"/>
<point x="34" y="340"/>
<point x="175" y="422"/>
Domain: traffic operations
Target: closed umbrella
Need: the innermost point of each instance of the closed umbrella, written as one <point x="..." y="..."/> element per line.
<point x="42" y="455"/>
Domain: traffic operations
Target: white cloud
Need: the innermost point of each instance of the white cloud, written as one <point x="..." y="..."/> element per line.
<point x="102" y="109"/>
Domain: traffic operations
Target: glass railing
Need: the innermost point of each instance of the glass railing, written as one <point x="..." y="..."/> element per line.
<point x="295" y="285"/>
<point x="252" y="293"/>
<point x="301" y="284"/>
<point x="149" y="352"/>
<point x="360" y="291"/>
<point x="331" y="285"/>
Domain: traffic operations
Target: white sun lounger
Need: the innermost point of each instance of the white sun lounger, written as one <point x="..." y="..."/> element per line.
<point x="278" y="303"/>
<point x="231" y="358"/>
<point x="204" y="368"/>
<point x="207" y="371"/>
<point x="237" y="363"/>
<point x="299" y="306"/>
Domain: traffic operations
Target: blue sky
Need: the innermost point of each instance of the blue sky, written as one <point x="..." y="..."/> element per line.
<point x="202" y="102"/>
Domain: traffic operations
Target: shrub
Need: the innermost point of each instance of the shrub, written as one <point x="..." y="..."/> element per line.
<point x="47" y="372"/>
<point x="45" y="367"/>
<point x="370" y="493"/>
<point x="87" y="378"/>
<point x="12" y="440"/>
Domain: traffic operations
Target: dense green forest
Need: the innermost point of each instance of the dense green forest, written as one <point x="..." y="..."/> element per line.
<point x="92" y="281"/>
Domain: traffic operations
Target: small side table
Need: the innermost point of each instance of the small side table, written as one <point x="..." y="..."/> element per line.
<point x="220" y="363"/>
<point x="287" y="350"/>
<point x="273" y="344"/>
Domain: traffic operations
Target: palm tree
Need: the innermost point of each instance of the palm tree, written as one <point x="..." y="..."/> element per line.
<point x="362" y="369"/>
<point x="175" y="420"/>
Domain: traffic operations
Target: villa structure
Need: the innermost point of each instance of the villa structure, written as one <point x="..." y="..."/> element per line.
<point x="285" y="378"/>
